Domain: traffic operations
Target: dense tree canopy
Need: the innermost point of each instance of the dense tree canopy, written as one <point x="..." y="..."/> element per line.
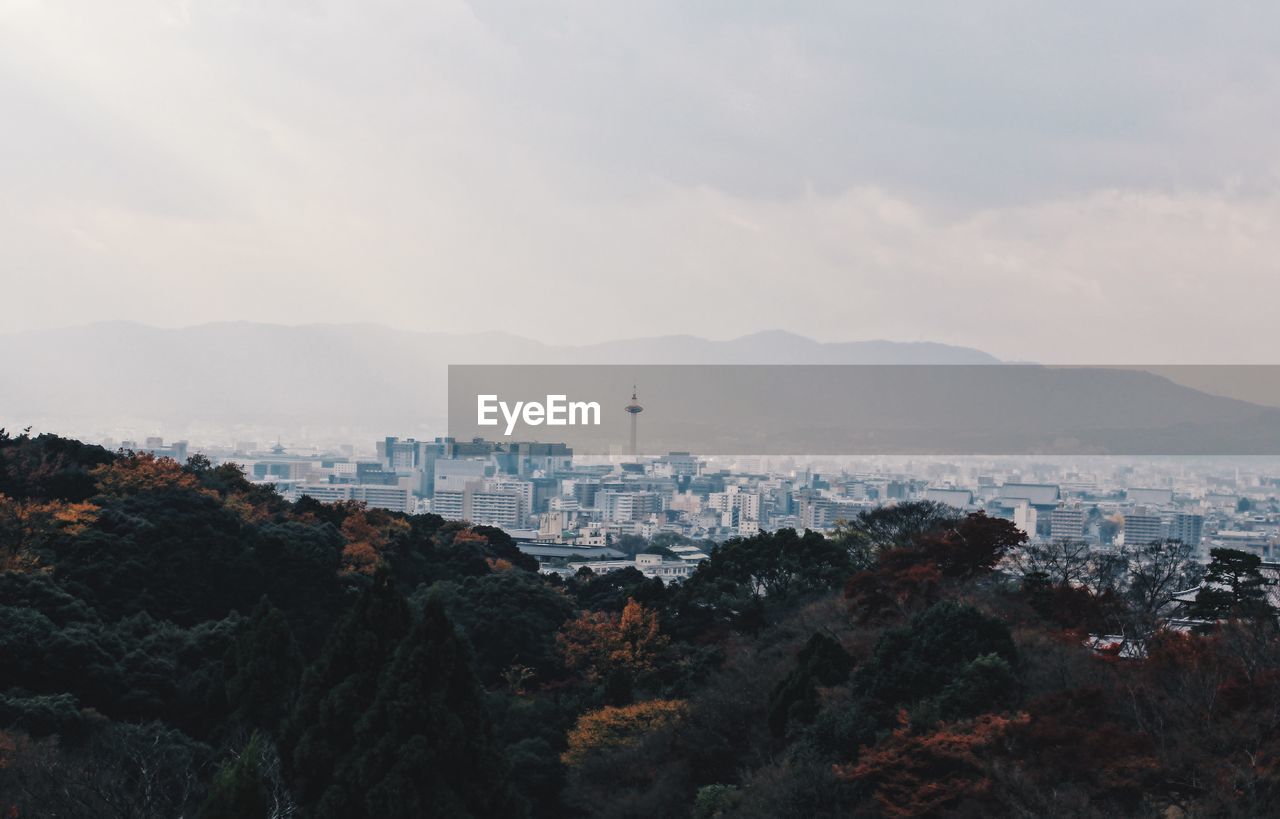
<point x="177" y="641"/>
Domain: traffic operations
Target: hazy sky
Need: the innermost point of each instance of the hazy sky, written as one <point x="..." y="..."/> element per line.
<point x="1084" y="182"/>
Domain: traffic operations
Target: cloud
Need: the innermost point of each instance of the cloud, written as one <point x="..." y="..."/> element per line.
<point x="1093" y="183"/>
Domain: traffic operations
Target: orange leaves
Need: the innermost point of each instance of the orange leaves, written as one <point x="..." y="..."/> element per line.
<point x="498" y="564"/>
<point x="74" y="518"/>
<point x="246" y="508"/>
<point x="613" y="727"/>
<point x="26" y="526"/>
<point x="142" y="472"/>
<point x="597" y="643"/>
<point x="925" y="774"/>
<point x="469" y="536"/>
<point x="368" y="533"/>
<point x="372" y="526"/>
<point x="360" y="558"/>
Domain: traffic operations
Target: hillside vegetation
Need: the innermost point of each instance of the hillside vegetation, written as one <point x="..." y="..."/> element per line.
<point x="175" y="641"/>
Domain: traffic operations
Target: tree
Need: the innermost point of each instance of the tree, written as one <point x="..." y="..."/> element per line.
<point x="921" y="659"/>
<point x="598" y="644"/>
<point x="614" y="726"/>
<point x="971" y="546"/>
<point x="822" y="661"/>
<point x="1234" y="586"/>
<point x="369" y="533"/>
<point x="262" y="669"/>
<point x="28" y="528"/>
<point x="509" y="619"/>
<point x="48" y="467"/>
<point x="238" y="790"/>
<point x="1060" y="562"/>
<point x="895" y="526"/>
<point x="934" y="773"/>
<point x="630" y="545"/>
<point x="900" y="582"/>
<point x="142" y="472"/>
<point x="776" y="564"/>
<point x="902" y="579"/>
<point x="424" y="746"/>
<point x="1157" y="572"/>
<point x="145" y="771"/>
<point x="340" y="685"/>
<point x="610" y="591"/>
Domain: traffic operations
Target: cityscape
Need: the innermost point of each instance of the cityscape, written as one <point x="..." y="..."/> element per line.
<point x="466" y="409"/>
<point x="599" y="512"/>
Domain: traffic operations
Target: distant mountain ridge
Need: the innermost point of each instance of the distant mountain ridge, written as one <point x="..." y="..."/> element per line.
<point x="345" y="377"/>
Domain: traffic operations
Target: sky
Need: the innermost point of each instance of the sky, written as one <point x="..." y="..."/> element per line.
<point x="1080" y="183"/>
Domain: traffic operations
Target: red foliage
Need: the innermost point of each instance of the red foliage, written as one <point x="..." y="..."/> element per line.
<point x="931" y="773"/>
<point x="1073" y="736"/>
<point x="908" y="579"/>
<point x="972" y="546"/>
<point x="902" y="581"/>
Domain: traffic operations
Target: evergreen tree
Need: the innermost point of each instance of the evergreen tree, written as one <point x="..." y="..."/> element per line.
<point x="1234" y="587"/>
<point x="822" y="661"/>
<point x="238" y="790"/>
<point x="263" y="668"/>
<point x="424" y="747"/>
<point x="339" y="686"/>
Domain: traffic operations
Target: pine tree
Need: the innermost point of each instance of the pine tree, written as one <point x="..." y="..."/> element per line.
<point x="263" y="668"/>
<point x="238" y="790"/>
<point x="1234" y="587"/>
<point x="424" y="747"/>
<point x="340" y="686"/>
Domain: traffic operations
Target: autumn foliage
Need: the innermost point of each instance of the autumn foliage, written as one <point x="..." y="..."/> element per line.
<point x="155" y="617"/>
<point x="142" y="472"/>
<point x="925" y="774"/>
<point x="27" y="527"/>
<point x="613" y="727"/>
<point x="597" y="643"/>
<point x="368" y="534"/>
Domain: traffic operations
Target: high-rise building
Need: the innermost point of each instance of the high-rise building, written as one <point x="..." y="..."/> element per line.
<point x="680" y="464"/>
<point x="1186" y="527"/>
<point x="1141" y="526"/>
<point x="1025" y="517"/>
<point x="453" y="474"/>
<point x="481" y="506"/>
<point x="449" y="504"/>
<point x="491" y="508"/>
<point x="1067" y="522"/>
<point x="396" y="454"/>
<point x="620" y="507"/>
<point x="395" y="498"/>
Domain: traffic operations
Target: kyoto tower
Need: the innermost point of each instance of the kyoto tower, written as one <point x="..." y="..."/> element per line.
<point x="635" y="409"/>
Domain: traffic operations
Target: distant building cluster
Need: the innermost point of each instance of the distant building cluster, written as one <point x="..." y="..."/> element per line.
<point x="571" y="513"/>
<point x="1103" y="511"/>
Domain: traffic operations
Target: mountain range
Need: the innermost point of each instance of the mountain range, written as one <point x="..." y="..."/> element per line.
<point x="346" y="379"/>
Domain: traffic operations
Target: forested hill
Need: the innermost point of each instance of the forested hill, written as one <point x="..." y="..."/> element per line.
<point x="175" y="641"/>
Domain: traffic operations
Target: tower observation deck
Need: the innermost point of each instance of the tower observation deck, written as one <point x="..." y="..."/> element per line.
<point x="634" y="409"/>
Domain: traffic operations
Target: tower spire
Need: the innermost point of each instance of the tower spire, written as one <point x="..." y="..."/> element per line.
<point x="634" y="409"/>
